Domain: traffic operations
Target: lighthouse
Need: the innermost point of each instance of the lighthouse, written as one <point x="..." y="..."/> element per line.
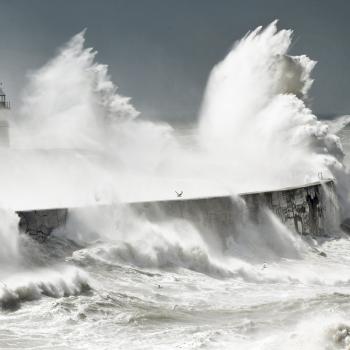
<point x="4" y="116"/>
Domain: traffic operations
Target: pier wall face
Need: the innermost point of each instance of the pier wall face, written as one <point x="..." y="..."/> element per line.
<point x="40" y="223"/>
<point x="309" y="210"/>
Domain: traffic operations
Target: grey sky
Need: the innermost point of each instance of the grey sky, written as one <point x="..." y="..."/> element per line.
<point x="160" y="52"/>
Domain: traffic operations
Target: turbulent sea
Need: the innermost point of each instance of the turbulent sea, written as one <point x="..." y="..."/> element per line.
<point x="113" y="280"/>
<point x="165" y="288"/>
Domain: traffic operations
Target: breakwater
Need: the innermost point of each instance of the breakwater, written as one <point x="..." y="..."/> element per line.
<point x="311" y="209"/>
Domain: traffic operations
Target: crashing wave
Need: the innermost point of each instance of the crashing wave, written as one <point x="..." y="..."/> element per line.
<point x="52" y="282"/>
<point x="255" y="114"/>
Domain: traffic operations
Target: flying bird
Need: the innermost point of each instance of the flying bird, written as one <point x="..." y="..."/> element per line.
<point x="179" y="194"/>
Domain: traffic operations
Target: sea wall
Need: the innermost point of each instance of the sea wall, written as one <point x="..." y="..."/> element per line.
<point x="308" y="210"/>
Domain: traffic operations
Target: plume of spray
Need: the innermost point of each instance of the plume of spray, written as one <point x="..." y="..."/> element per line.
<point x="71" y="103"/>
<point x="255" y="116"/>
<point x="68" y="102"/>
<point x="77" y="140"/>
<point x="255" y="130"/>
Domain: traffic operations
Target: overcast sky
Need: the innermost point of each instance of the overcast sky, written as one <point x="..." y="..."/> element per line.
<point x="160" y="52"/>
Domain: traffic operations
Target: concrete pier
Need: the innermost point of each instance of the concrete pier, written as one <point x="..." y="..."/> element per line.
<point x="311" y="209"/>
<point x="308" y="210"/>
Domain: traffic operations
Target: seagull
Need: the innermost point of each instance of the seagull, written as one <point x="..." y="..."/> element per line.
<point x="179" y="194"/>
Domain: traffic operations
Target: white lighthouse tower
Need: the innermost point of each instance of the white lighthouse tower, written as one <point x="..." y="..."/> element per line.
<point x="4" y="116"/>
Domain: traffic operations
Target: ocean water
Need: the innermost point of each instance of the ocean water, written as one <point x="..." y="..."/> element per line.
<point x="144" y="285"/>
